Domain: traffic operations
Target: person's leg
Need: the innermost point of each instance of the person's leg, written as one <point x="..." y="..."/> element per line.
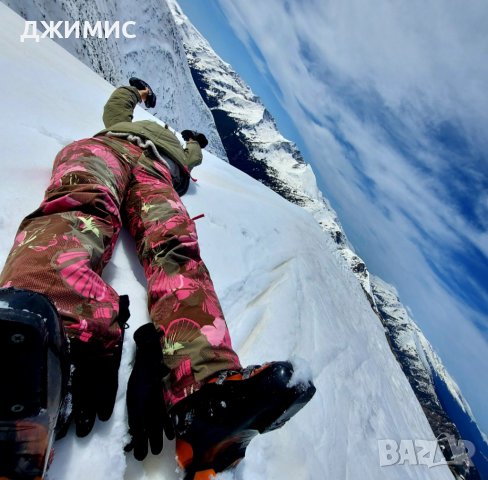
<point x="51" y="280"/>
<point x="181" y="297"/>
<point x="62" y="247"/>
<point x="215" y="407"/>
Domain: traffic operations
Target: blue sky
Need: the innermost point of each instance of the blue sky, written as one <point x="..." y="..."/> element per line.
<point x="388" y="103"/>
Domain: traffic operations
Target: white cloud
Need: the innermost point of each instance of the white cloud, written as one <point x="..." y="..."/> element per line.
<point x="377" y="79"/>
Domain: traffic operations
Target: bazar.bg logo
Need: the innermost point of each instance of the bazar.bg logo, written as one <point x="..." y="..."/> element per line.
<point x="66" y="29"/>
<point x="425" y="452"/>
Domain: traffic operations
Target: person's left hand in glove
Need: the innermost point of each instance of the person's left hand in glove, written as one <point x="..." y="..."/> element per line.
<point x="148" y="419"/>
<point x="198" y="137"/>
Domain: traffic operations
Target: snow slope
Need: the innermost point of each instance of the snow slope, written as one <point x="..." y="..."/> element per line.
<point x="284" y="293"/>
<point x="156" y="54"/>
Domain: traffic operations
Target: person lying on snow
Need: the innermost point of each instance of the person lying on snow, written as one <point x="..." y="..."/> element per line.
<point x="62" y="326"/>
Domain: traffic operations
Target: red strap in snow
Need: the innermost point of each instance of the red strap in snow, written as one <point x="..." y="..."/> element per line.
<point x="198" y="216"/>
<point x="189" y="173"/>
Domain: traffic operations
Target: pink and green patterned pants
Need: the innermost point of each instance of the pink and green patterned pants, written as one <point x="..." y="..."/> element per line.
<point x="61" y="249"/>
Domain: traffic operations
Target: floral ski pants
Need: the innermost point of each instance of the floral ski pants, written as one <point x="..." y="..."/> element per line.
<point x="60" y="250"/>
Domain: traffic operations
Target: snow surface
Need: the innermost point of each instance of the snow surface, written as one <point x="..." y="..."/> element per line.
<point x="284" y="292"/>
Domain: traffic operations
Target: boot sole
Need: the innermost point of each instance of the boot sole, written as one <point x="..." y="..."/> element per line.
<point x="25" y="431"/>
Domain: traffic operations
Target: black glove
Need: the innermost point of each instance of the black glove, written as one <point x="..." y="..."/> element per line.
<point x="146" y="409"/>
<point x="94" y="381"/>
<point x="198" y="137"/>
<point x="150" y="101"/>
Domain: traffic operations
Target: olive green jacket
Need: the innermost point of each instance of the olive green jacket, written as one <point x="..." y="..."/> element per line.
<point x="117" y="117"/>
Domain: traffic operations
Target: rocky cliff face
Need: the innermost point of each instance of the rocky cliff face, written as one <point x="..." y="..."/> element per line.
<point x="254" y="145"/>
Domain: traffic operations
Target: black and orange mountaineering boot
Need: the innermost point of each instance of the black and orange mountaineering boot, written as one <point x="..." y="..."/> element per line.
<point x="33" y="378"/>
<point x="214" y="425"/>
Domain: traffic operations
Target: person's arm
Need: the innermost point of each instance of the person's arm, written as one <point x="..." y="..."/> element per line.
<point x="195" y="141"/>
<point x="120" y="106"/>
<point x="193" y="154"/>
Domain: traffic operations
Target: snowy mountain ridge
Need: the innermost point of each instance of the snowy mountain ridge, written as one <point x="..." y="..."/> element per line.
<point x="277" y="163"/>
<point x="410" y="336"/>
<point x="285" y="170"/>
<point x="449" y="414"/>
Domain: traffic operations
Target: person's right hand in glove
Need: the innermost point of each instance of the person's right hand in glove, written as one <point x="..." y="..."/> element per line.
<point x="94" y="381"/>
<point x="94" y="384"/>
<point x="198" y="137"/>
<point x="148" y="419"/>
